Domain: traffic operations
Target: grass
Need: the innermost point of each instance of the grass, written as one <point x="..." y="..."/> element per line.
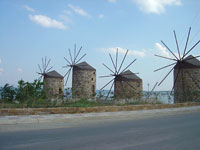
<point x="42" y="103"/>
<point x="47" y="104"/>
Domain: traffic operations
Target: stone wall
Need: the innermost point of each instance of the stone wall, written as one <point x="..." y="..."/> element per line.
<point x="189" y="89"/>
<point x="132" y="89"/>
<point x="54" y="87"/>
<point x="72" y="110"/>
<point x="84" y="83"/>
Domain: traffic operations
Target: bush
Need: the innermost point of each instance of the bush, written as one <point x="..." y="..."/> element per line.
<point x="25" y="91"/>
<point x="30" y="91"/>
<point x="8" y="93"/>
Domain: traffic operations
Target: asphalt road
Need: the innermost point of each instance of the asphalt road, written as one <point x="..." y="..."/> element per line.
<point x="166" y="132"/>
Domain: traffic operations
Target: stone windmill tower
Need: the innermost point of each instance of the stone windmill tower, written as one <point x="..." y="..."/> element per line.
<point x="83" y="76"/>
<point x="53" y="81"/>
<point x="126" y="83"/>
<point x="187" y="87"/>
<point x="84" y="81"/>
<point x="186" y="73"/>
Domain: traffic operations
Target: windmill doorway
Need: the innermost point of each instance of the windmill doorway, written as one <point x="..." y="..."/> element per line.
<point x="93" y="89"/>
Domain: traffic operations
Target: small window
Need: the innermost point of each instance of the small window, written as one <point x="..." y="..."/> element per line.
<point x="138" y="85"/>
<point x="60" y="91"/>
<point x="93" y="72"/>
<point x="92" y="79"/>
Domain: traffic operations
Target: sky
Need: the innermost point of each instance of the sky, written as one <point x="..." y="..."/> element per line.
<point x="32" y="29"/>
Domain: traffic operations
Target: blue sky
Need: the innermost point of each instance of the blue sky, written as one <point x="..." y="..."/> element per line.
<point x="32" y="29"/>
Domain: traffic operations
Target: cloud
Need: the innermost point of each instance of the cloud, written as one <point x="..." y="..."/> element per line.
<point x="155" y="6"/>
<point x="162" y="50"/>
<point x="136" y="53"/>
<point x="79" y="10"/>
<point x="47" y="22"/>
<point x="0" y="61"/>
<point x="1" y="71"/>
<point x="19" y="70"/>
<point x="101" y="16"/>
<point x="29" y="8"/>
<point x="112" y="1"/>
<point x="67" y="12"/>
<point x="65" y="19"/>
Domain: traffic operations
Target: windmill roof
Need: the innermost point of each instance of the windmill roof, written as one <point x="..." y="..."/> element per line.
<point x="130" y="75"/>
<point x="84" y="66"/>
<point x="53" y="74"/>
<point x="193" y="61"/>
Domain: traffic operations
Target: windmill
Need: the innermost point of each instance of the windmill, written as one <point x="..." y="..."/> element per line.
<point x="53" y="81"/>
<point x="83" y="76"/>
<point x="126" y="83"/>
<point x="44" y="67"/>
<point x="186" y="70"/>
<point x="72" y="62"/>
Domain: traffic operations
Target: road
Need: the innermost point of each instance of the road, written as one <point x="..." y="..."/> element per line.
<point x="164" y="132"/>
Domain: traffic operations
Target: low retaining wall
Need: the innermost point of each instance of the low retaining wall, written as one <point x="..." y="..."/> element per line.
<point x="73" y="110"/>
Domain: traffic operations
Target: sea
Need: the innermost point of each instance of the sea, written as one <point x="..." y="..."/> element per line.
<point x="164" y="97"/>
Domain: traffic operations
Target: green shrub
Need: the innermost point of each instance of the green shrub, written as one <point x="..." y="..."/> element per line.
<point x="30" y="91"/>
<point x="8" y="93"/>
